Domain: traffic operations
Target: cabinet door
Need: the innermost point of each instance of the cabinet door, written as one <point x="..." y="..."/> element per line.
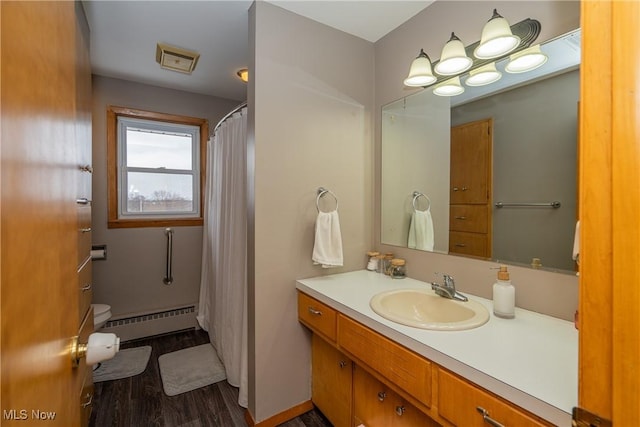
<point x="331" y="382"/>
<point x="471" y="163"/>
<point x="375" y="405"/>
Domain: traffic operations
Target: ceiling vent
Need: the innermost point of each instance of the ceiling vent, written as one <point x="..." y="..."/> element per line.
<point x="176" y="59"/>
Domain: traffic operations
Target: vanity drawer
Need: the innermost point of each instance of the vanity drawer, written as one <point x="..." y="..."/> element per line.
<point x="473" y="218"/>
<point x="407" y="370"/>
<point x="475" y="244"/>
<point x="458" y="400"/>
<point x="317" y="316"/>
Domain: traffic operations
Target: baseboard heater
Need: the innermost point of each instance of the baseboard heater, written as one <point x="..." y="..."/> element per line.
<point x="154" y="323"/>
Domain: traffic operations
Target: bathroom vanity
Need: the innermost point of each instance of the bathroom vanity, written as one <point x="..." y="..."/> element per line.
<point x="373" y="371"/>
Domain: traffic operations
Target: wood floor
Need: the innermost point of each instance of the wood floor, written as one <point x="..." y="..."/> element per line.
<point x="140" y="401"/>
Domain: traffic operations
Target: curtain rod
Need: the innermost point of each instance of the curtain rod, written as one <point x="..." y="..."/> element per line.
<point x="229" y="114"/>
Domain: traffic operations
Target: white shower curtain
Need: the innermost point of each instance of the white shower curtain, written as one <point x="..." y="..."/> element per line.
<point x="222" y="310"/>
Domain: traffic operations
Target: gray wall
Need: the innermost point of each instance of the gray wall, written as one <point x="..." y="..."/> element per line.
<point x="130" y="280"/>
<point x="546" y="292"/>
<point x="534" y="153"/>
<point x="310" y="121"/>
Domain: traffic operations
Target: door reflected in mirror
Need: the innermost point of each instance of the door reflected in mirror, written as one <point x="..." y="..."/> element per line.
<point x="528" y="160"/>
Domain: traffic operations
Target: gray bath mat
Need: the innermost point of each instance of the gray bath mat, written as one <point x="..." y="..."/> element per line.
<point x="126" y="363"/>
<point x="189" y="369"/>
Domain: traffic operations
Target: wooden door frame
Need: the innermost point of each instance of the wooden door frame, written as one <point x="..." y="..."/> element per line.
<point x="609" y="373"/>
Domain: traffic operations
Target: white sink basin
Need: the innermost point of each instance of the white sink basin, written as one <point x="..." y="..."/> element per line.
<point x="426" y="310"/>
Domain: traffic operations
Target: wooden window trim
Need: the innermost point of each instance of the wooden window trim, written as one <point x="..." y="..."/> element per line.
<point x="113" y="113"/>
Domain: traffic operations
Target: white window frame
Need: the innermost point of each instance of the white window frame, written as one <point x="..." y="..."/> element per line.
<point x="123" y="123"/>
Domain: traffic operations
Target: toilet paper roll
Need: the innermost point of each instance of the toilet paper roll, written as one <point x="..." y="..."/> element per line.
<point x="98" y="254"/>
<point x="101" y="347"/>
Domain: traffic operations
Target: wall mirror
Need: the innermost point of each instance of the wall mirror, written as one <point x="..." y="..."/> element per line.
<point x="530" y="165"/>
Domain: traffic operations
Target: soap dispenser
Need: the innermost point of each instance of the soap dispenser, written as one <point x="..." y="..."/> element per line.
<point x="504" y="295"/>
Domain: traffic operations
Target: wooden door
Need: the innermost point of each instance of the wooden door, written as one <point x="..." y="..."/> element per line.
<point x="609" y="356"/>
<point x="470" y="219"/>
<point x="471" y="162"/>
<point x="38" y="214"/>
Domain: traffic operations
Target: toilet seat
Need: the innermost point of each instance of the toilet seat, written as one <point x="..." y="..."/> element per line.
<point x="101" y="313"/>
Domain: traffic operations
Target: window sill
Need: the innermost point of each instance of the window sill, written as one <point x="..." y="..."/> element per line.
<point x="141" y="223"/>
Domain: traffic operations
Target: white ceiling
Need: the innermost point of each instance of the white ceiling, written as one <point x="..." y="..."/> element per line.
<point x="124" y="35"/>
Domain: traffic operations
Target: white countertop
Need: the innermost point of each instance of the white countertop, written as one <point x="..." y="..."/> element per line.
<point x="531" y="360"/>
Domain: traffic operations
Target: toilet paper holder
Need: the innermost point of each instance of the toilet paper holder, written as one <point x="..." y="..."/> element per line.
<point x="99" y="347"/>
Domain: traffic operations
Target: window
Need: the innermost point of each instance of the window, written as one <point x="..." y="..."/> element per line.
<point x="156" y="168"/>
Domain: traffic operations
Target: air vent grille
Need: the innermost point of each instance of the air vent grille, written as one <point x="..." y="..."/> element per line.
<point x="176" y="59"/>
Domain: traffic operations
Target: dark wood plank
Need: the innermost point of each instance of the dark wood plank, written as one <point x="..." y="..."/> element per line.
<point x="140" y="401"/>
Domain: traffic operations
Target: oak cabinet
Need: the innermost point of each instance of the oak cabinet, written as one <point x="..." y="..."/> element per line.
<point x="471" y="189"/>
<point x="362" y="377"/>
<point x="465" y="405"/>
<point x="331" y="374"/>
<point x="376" y="405"/>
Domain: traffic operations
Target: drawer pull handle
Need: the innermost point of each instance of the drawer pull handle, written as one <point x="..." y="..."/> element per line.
<point x="455" y="188"/>
<point x="85" y="230"/>
<point x="89" y="400"/>
<point x="315" y="312"/>
<point x="86" y="287"/>
<point x="86" y="168"/>
<point x="400" y="410"/>
<point x="83" y="201"/>
<point x="487" y="419"/>
<point x="464" y="188"/>
<point x="381" y="396"/>
<point x="461" y="217"/>
<point x="342" y="364"/>
<point x="461" y="245"/>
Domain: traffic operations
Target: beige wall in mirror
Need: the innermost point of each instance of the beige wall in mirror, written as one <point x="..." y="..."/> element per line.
<point x="549" y="290"/>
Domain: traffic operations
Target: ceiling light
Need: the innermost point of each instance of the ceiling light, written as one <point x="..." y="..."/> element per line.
<point x="497" y="38"/>
<point x="420" y="73"/>
<point x="526" y="60"/>
<point x="454" y="59"/>
<point x="483" y="75"/>
<point x="176" y="59"/>
<point x="243" y="74"/>
<point x="451" y="87"/>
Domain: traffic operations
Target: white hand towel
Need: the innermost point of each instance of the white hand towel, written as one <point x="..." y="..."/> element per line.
<point x="576" y="242"/>
<point x="327" y="249"/>
<point x="421" y="231"/>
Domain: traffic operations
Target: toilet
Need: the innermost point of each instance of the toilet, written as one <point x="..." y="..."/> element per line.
<point x="101" y="313"/>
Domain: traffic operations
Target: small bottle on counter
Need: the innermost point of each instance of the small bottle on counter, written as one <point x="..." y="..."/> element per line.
<point x="398" y="268"/>
<point x="380" y="267"/>
<point x="387" y="263"/>
<point x="504" y="295"/>
<point x="372" y="264"/>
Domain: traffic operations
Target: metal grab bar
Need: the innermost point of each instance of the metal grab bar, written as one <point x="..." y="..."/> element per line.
<point x="554" y="205"/>
<point x="168" y="279"/>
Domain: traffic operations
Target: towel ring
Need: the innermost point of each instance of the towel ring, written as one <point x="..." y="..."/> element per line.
<point x="321" y="192"/>
<point x="416" y="195"/>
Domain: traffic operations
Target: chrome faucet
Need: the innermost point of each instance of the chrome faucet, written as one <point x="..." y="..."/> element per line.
<point x="448" y="289"/>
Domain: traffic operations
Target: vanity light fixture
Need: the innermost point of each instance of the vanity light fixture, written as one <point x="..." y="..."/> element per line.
<point x="451" y="87"/>
<point x="420" y="73"/>
<point x="243" y="74"/>
<point x="526" y="60"/>
<point x="497" y="38"/>
<point x="454" y="59"/>
<point x="483" y="75"/>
